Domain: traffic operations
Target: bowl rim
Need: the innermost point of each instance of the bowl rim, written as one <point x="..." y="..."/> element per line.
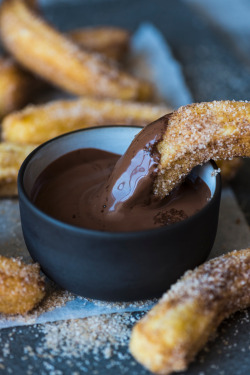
<point x="53" y="221"/>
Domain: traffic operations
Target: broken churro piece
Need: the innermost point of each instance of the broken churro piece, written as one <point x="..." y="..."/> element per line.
<point x="11" y="157"/>
<point x="112" y="42"/>
<point x="37" y="124"/>
<point x="197" y="133"/>
<point x="21" y="286"/>
<point x="44" y="51"/>
<point x="171" y="334"/>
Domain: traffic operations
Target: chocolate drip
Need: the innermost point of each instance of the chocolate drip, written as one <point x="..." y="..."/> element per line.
<point x="132" y="177"/>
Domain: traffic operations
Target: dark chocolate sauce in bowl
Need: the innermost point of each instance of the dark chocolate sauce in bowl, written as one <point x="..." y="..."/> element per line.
<point x="99" y="190"/>
<point x="77" y="189"/>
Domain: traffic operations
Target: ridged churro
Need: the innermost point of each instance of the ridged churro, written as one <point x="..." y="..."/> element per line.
<point x="171" y="334"/>
<point x="16" y="86"/>
<point x="11" y="158"/>
<point x="112" y="42"/>
<point x="21" y="286"/>
<point x="37" y="124"/>
<point x="197" y="133"/>
<point x="44" y="51"/>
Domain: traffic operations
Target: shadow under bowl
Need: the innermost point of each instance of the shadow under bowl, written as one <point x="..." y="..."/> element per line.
<point x="112" y="266"/>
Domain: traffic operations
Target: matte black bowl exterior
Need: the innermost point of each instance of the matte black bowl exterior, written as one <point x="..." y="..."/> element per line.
<point x="112" y="266"/>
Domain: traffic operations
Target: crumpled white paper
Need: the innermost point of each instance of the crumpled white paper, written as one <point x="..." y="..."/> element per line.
<point x="233" y="231"/>
<point x="152" y="59"/>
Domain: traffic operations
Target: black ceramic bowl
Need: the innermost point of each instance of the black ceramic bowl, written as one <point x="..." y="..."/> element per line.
<point x="105" y="265"/>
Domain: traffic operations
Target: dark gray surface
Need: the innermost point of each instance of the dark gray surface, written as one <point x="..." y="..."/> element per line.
<point x="227" y="354"/>
<point x="212" y="72"/>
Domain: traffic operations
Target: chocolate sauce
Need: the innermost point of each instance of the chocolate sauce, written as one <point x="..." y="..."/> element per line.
<point x="132" y="178"/>
<point x="95" y="189"/>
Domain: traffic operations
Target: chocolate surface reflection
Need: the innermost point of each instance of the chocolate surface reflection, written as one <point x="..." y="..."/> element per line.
<point x="133" y="175"/>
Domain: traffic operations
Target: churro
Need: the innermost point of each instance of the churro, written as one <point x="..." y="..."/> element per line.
<point x="112" y="42"/>
<point x="37" y="124"/>
<point x="44" y="51"/>
<point x="197" y="133"/>
<point x="21" y="286"/>
<point x="16" y="86"/>
<point x="11" y="158"/>
<point x="171" y="334"/>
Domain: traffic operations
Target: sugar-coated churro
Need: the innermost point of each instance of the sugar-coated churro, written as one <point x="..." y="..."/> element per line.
<point x="21" y="286"/>
<point x="37" y="124"/>
<point x="11" y="157"/>
<point x="197" y="133"/>
<point x="171" y="334"/>
<point x="112" y="42"/>
<point x="44" y="51"/>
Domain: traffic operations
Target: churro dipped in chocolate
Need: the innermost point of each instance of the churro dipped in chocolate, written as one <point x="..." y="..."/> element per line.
<point x="197" y="133"/>
<point x="130" y="191"/>
<point x="171" y="334"/>
<point x="166" y="151"/>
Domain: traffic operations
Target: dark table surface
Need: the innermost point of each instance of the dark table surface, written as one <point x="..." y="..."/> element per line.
<point x="212" y="71"/>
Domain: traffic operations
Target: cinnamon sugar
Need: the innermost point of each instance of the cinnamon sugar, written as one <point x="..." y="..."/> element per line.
<point x="224" y="280"/>
<point x="199" y="132"/>
<point x="100" y="335"/>
<point x="65" y="347"/>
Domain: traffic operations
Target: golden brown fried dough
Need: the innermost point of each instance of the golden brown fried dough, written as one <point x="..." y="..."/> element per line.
<point x="16" y="86"/>
<point x="171" y="334"/>
<point x="37" y="124"/>
<point x="199" y="132"/>
<point x="21" y="286"/>
<point x="11" y="158"/>
<point x="44" y="51"/>
<point x="112" y="42"/>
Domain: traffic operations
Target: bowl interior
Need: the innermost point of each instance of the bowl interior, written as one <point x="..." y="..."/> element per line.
<point x="115" y="139"/>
